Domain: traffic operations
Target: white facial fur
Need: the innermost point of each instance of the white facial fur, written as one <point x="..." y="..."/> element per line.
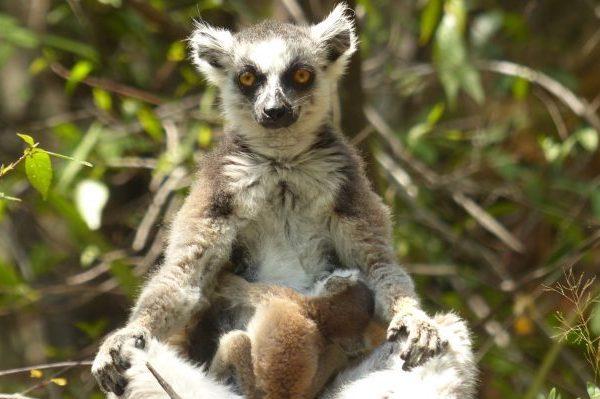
<point x="273" y="48"/>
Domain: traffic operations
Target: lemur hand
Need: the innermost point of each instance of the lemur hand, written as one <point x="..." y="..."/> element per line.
<point x="423" y="339"/>
<point x="114" y="357"/>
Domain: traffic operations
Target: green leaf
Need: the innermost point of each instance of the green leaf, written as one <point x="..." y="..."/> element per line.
<point x="588" y="138"/>
<point x="435" y="113"/>
<point x="150" y="123"/>
<point x="429" y="20"/>
<point x="102" y="99"/>
<point x="450" y="55"/>
<point x="553" y="151"/>
<point x="81" y="152"/>
<point x="177" y="52"/>
<point x="38" y="65"/>
<point x="552" y="394"/>
<point x="8" y="276"/>
<point x="79" y="72"/>
<point x="204" y="135"/>
<point x="595" y="200"/>
<point x="595" y="319"/>
<point x="93" y="329"/>
<point x="520" y="88"/>
<point x="27" y="139"/>
<point x="78" y="48"/>
<point x="38" y="168"/>
<point x="593" y="390"/>
<point x="471" y="83"/>
<point x="12" y="32"/>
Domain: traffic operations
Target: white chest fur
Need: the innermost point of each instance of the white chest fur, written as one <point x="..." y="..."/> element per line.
<point x="285" y="211"/>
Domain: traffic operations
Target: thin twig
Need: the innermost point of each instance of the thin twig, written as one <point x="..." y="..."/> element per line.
<point x="109" y="85"/>
<point x="554" y="113"/>
<point x="46" y="366"/>
<point x="164" y="384"/>
<point x="486" y="220"/>
<point x="578" y="105"/>
<point x="153" y="212"/>
<point x="470" y="248"/>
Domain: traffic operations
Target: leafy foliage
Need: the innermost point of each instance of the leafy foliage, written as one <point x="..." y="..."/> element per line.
<point x="481" y="135"/>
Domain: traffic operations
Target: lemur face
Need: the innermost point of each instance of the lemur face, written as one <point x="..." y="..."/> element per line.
<point x="276" y="78"/>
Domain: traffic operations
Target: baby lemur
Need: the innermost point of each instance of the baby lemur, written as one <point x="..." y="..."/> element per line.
<point x="294" y="343"/>
<point x="284" y="196"/>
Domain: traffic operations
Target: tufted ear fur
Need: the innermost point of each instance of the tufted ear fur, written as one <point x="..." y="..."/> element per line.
<point x="337" y="37"/>
<point x="211" y="51"/>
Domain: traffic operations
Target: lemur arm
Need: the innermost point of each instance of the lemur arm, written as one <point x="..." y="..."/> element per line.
<point x="362" y="239"/>
<point x="361" y="233"/>
<point x="199" y="245"/>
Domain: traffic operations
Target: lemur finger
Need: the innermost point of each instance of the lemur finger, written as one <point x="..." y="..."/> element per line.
<point x="120" y="362"/>
<point x="410" y="349"/>
<point x="111" y="380"/>
<point x="396" y="332"/>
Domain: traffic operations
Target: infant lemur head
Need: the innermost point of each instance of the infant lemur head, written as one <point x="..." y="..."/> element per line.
<point x="342" y="305"/>
<point x="276" y="79"/>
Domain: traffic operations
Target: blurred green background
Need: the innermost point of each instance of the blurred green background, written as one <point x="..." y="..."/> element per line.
<point x="478" y="120"/>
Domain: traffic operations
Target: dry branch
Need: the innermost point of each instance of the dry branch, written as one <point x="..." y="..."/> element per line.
<point x="578" y="105"/>
<point x="486" y="220"/>
<point x="109" y="85"/>
<point x="164" y="384"/>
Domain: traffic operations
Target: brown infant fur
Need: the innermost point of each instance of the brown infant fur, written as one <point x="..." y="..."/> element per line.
<point x="294" y="343"/>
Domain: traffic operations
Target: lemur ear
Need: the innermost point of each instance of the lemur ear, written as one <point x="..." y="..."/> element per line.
<point x="336" y="35"/>
<point x="211" y="50"/>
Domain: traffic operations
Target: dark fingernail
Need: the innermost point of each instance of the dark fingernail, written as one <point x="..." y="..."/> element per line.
<point x="119" y="390"/>
<point x="104" y="385"/>
<point x="120" y="386"/>
<point x="125" y="364"/>
<point x="140" y="342"/>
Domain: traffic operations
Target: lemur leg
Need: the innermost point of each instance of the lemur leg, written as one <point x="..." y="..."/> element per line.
<point x="186" y="379"/>
<point x="451" y="375"/>
<point x="331" y="361"/>
<point x="199" y="245"/>
<point x="235" y="354"/>
<point x="363" y="240"/>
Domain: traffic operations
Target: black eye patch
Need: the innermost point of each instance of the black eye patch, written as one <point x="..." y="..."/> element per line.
<point x="260" y="78"/>
<point x="287" y="78"/>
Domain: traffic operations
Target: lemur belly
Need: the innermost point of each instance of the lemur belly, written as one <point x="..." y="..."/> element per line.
<point x="286" y="250"/>
<point x="285" y="234"/>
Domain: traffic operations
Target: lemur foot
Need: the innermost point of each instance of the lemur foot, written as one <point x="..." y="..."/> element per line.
<point x="423" y="340"/>
<point x="114" y="358"/>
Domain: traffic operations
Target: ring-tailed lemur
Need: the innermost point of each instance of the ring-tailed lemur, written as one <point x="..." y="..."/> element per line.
<point x="283" y="194"/>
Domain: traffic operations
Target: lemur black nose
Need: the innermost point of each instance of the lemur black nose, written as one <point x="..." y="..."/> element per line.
<point x="277" y="116"/>
<point x="275" y="113"/>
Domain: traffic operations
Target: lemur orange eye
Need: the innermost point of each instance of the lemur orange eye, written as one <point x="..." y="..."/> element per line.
<point x="247" y="79"/>
<point x="302" y="76"/>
